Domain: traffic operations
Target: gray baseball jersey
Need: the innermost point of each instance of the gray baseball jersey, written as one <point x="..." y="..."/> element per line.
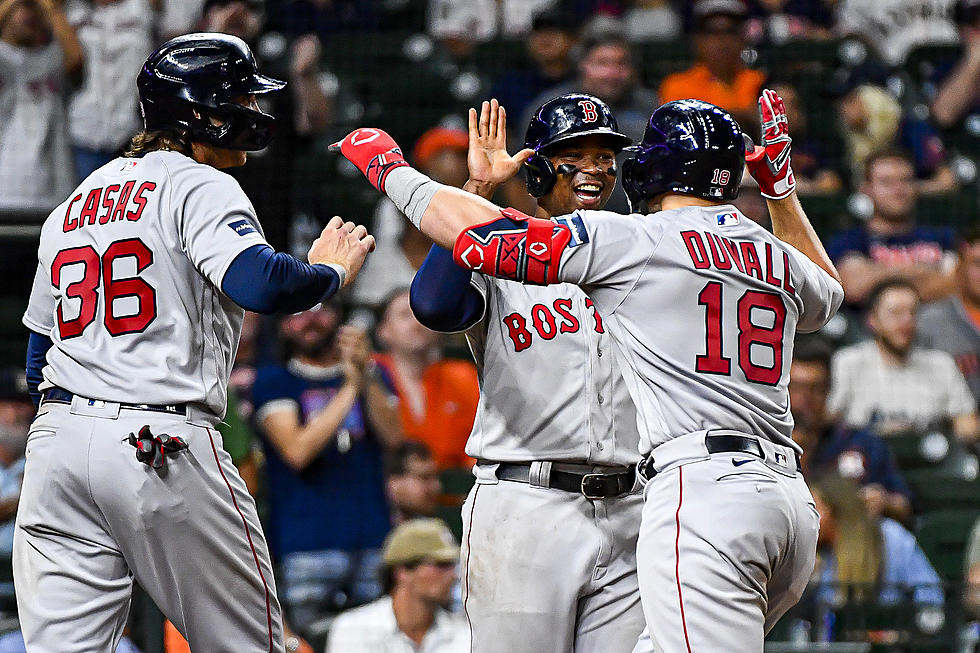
<point x="704" y="305"/>
<point x="550" y="387"/>
<point x="128" y="283"/>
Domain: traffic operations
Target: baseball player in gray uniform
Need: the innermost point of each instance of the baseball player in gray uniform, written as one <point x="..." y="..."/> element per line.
<point x="556" y="497"/>
<point x="703" y="305"/>
<point x="135" y="314"/>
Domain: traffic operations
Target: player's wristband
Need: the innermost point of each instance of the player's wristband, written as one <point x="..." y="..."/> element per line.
<point x="411" y="191"/>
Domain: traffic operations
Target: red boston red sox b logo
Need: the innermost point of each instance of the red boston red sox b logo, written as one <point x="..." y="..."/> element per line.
<point x="589" y="113"/>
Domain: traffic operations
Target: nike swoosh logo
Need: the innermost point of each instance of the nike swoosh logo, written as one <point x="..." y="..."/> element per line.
<point x="739" y="463"/>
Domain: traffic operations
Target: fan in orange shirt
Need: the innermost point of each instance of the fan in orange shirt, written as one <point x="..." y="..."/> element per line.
<point x="438" y="397"/>
<point x="719" y="76"/>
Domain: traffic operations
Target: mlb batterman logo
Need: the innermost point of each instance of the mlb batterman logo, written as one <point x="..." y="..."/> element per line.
<point x="726" y="219"/>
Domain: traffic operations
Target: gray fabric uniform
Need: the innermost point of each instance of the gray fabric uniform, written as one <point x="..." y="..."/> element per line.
<point x="703" y="305"/>
<point x="548" y="570"/>
<point x="130" y="267"/>
<point x="944" y="325"/>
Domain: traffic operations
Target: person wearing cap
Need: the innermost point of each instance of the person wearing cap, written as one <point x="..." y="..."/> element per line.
<point x="418" y="572"/>
<point x="326" y="418"/>
<point x="718" y="76"/>
<point x="441" y="153"/>
<point x="548" y="47"/>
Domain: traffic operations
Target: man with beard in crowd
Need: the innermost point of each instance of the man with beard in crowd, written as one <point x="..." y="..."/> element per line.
<point x="326" y="418"/>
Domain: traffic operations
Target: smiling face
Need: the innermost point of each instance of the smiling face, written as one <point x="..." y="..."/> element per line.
<point x="593" y="180"/>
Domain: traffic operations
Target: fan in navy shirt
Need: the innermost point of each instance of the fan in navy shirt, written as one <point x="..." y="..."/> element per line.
<point x="891" y="243"/>
<point x="830" y="448"/>
<point x="326" y="419"/>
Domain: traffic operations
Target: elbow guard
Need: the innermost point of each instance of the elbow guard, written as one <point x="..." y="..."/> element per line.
<point x="514" y="246"/>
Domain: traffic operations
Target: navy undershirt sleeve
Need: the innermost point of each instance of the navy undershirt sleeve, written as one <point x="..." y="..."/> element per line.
<point x="37" y="348"/>
<point x="265" y="281"/>
<point x="441" y="295"/>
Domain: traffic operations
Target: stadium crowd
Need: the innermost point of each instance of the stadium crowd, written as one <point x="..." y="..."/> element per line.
<point x="349" y="421"/>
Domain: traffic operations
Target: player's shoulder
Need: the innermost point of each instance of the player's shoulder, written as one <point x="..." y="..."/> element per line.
<point x="856" y="356"/>
<point x="932" y="358"/>
<point x="183" y="170"/>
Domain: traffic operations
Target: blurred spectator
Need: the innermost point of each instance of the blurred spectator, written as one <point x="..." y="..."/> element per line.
<point x="719" y="76"/>
<point x="482" y="20"/>
<point x="418" y="573"/>
<point x="179" y="17"/>
<point x="39" y="54"/>
<point x="413" y="481"/>
<point x="606" y="69"/>
<point x="864" y="556"/>
<point x="894" y="27"/>
<point x="833" y="448"/>
<point x="959" y="86"/>
<point x="438" y="398"/>
<point x="241" y="18"/>
<point x="890" y="243"/>
<point x="548" y="45"/>
<point x="652" y="20"/>
<point x="952" y="325"/>
<point x="103" y="113"/>
<point x="16" y="413"/>
<point x="815" y="164"/>
<point x="971" y="573"/>
<point x="326" y="418"/>
<point x="779" y="21"/>
<point x="323" y="17"/>
<point x="892" y="385"/>
<point x="873" y="121"/>
<point x="441" y="154"/>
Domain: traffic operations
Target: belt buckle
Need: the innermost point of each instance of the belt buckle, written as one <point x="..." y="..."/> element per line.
<point x="585" y="480"/>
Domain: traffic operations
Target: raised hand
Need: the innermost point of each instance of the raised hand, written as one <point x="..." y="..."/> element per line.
<point x="488" y="162"/>
<point x="769" y="163"/>
<point x="342" y="243"/>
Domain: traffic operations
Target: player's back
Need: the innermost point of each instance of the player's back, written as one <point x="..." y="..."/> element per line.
<point x="128" y="282"/>
<point x="706" y="306"/>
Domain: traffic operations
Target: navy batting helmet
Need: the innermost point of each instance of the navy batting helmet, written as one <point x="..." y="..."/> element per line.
<point x="196" y="77"/>
<point x="565" y="117"/>
<point x="689" y="147"/>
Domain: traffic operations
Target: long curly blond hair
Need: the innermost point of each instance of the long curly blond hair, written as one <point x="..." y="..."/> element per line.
<point x="151" y="140"/>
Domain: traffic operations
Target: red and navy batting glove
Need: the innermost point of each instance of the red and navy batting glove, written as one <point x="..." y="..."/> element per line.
<point x="769" y="163"/>
<point x="373" y="151"/>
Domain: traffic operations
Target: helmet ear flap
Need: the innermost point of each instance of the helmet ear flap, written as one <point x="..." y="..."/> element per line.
<point x="539" y="175"/>
<point x="632" y="174"/>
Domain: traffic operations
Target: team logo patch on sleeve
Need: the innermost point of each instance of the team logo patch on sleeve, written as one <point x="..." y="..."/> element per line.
<point x="242" y="227"/>
<point x="575" y="225"/>
<point x="726" y="219"/>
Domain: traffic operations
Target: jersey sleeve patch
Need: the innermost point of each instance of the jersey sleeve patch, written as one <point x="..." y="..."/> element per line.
<point x="242" y="227"/>
<point x="579" y="235"/>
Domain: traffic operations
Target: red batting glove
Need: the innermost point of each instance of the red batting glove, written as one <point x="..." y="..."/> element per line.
<point x="769" y="163"/>
<point x="373" y="151"/>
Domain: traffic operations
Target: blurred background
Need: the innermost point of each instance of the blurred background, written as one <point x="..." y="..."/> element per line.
<point x="884" y="108"/>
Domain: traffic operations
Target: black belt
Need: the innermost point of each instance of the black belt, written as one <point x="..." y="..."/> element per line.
<point x="717" y="444"/>
<point x="62" y="396"/>
<point x="590" y="485"/>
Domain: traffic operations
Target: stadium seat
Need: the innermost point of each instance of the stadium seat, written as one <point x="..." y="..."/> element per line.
<point x="942" y="535"/>
<point x="940" y="489"/>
